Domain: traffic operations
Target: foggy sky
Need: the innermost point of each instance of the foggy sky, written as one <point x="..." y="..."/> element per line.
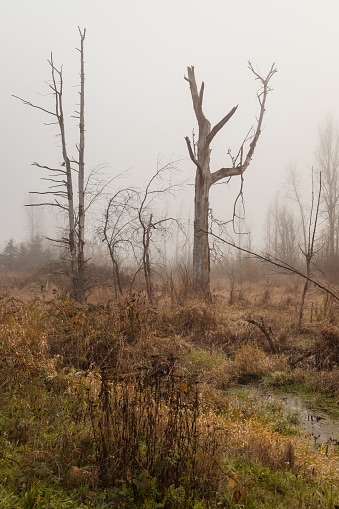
<point x="138" y="106"/>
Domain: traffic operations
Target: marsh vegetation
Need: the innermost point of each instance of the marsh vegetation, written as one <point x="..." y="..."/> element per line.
<point x="119" y="403"/>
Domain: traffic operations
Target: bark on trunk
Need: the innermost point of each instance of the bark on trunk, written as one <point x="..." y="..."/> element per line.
<point x="201" y="256"/>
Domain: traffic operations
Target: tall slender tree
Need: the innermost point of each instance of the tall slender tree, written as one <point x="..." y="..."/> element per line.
<point x="61" y="190"/>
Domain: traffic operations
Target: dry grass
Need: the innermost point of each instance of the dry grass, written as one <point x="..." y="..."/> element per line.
<point x="84" y="386"/>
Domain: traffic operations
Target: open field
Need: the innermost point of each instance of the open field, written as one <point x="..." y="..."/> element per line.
<point x="176" y="405"/>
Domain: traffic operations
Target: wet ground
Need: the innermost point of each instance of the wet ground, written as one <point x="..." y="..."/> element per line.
<point x="317" y="425"/>
<point x="320" y="426"/>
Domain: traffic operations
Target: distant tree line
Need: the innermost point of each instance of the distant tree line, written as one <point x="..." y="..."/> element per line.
<point x="25" y="255"/>
<point x="293" y="219"/>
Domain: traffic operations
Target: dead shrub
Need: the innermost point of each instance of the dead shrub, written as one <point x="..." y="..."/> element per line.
<point x="76" y="477"/>
<point x="273" y="453"/>
<point x="24" y="351"/>
<point x="213" y="399"/>
<point x="253" y="363"/>
<point x="19" y="433"/>
<point x="325" y="381"/>
<point x="179" y="285"/>
<point x="213" y="369"/>
<point x="82" y="336"/>
<point x="147" y="423"/>
<point x="95" y="336"/>
<point x="257" y="443"/>
<point x="327" y="347"/>
<point x="194" y="320"/>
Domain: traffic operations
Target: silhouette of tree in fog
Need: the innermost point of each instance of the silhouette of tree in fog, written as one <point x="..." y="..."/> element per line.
<point x="61" y="193"/>
<point x="327" y="162"/>
<point x="200" y="153"/>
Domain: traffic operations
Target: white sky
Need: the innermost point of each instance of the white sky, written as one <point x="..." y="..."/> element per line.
<point x="138" y="105"/>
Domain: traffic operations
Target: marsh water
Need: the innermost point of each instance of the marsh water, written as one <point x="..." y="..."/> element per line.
<point x="320" y="426"/>
<point x="317" y="425"/>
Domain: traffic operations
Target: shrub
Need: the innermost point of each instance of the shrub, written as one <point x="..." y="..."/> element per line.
<point x="252" y="363"/>
<point x="147" y="431"/>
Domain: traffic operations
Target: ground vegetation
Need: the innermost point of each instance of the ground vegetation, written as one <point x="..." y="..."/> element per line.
<point x="178" y="403"/>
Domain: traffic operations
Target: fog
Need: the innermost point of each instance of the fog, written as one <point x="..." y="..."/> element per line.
<point x="138" y="105"/>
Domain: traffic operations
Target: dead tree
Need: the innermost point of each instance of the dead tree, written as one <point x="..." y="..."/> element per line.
<point x="117" y="231"/>
<point x="308" y="250"/>
<point x="132" y="223"/>
<point x="308" y="224"/>
<point x="79" y="274"/>
<point x="158" y="187"/>
<point x="61" y="185"/>
<point x="204" y="178"/>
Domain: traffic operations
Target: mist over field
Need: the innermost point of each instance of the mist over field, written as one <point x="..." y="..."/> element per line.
<point x="169" y="254"/>
<point x="138" y="106"/>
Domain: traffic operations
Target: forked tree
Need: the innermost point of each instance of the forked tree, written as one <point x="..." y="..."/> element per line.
<point x="200" y="153"/>
<point x="61" y="190"/>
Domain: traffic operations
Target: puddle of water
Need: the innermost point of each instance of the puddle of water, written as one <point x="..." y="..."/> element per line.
<point x="317" y="425"/>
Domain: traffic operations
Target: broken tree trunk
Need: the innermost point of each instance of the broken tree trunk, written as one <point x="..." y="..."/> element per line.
<point x="200" y="155"/>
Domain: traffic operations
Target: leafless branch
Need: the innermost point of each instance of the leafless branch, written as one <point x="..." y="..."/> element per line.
<point x="45" y="167"/>
<point x="265" y="330"/>
<point x="262" y="97"/>
<point x="28" y="103"/>
<point x="192" y="154"/>
<point x="221" y="124"/>
<point x="280" y="264"/>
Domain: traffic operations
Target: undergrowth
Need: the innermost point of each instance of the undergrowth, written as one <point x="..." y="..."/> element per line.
<point x="133" y="406"/>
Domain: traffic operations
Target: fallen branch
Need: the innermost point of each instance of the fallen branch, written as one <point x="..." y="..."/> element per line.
<point x="265" y="331"/>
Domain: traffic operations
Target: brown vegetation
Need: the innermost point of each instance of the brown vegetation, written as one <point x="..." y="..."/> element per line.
<point x="138" y="399"/>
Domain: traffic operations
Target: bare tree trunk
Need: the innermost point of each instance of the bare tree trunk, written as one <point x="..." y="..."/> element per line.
<point x="79" y="282"/>
<point x="116" y="273"/>
<point x="309" y="248"/>
<point x="117" y="277"/>
<point x="146" y="259"/>
<point x="148" y="224"/>
<point x="201" y="250"/>
<point x="59" y="113"/>
<point x="58" y="91"/>
<point x="328" y="164"/>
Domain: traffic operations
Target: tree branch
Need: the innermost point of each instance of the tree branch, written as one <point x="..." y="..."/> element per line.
<point x="28" y="103"/>
<point x="266" y="331"/>
<point x="44" y="167"/>
<point x="197" y="97"/>
<point x="221" y="124"/>
<point x="278" y="263"/>
<point x="262" y="96"/>
<point x="191" y="153"/>
<point x="240" y="168"/>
